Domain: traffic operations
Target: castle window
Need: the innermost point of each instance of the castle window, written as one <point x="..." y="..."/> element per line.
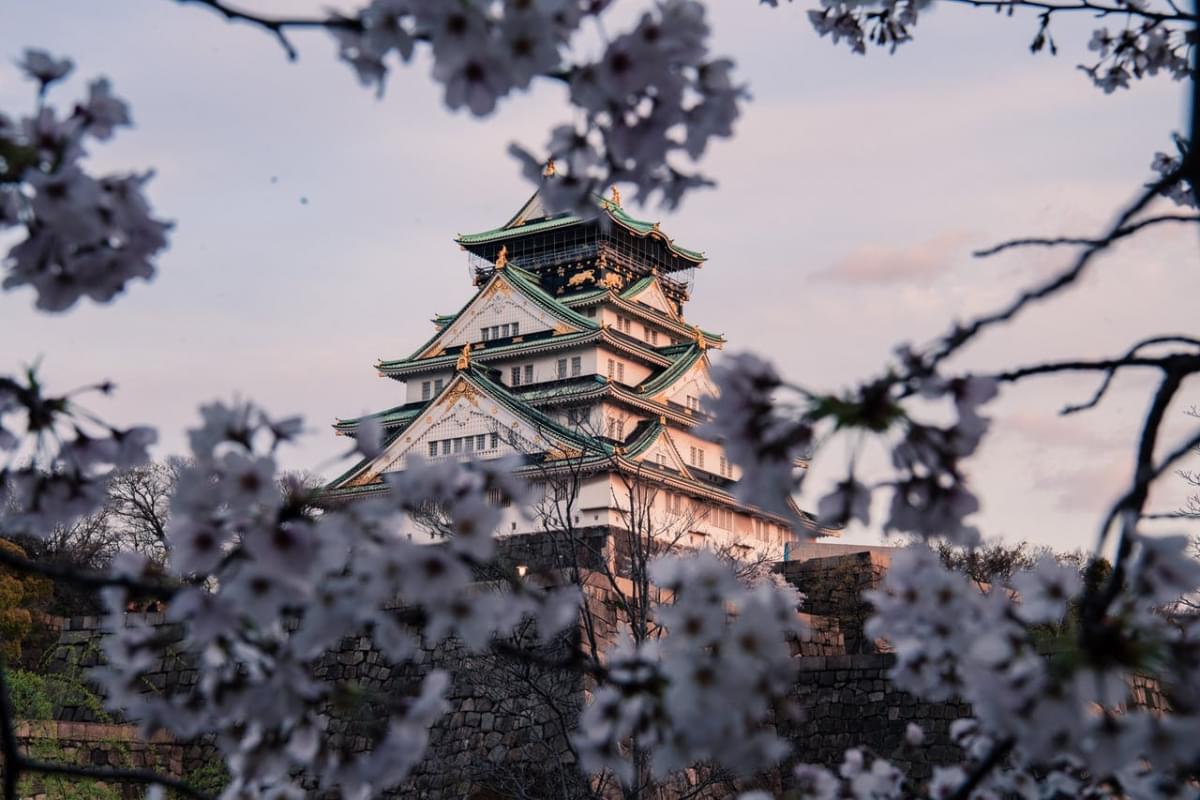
<point x="495" y="441"/>
<point x="612" y="367"/>
<point x="457" y="445"/>
<point x="445" y="447"/>
<point x="562" y="368"/>
<point x="516" y="328"/>
<point x="516" y="376"/>
<point x="504" y="330"/>
<point x="576" y="366"/>
<point x="529" y="373"/>
<point x="621" y="371"/>
<point x="432" y="449"/>
<point x="480" y="441"/>
<point x="437" y="386"/>
<point x="425" y="390"/>
<point x="483" y="334"/>
<point x="495" y="331"/>
<point x="470" y="444"/>
<point x="693" y="403"/>
<point x="725" y="469"/>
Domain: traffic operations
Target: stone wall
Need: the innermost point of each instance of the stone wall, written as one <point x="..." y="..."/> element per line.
<point x="833" y="588"/>
<point x="847" y="701"/>
<point x="506" y="734"/>
<point x="96" y="744"/>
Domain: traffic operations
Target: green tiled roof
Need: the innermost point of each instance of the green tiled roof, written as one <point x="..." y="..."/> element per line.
<point x="636" y="286"/>
<point x="532" y="415"/>
<point x="687" y="358"/>
<point x="562" y="389"/>
<point x="399" y="415"/>
<point x="529" y="285"/>
<point x="448" y="359"/>
<point x="579" y="297"/>
<point x="615" y="212"/>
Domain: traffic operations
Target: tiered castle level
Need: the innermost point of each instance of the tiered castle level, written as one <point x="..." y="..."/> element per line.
<point x="575" y="355"/>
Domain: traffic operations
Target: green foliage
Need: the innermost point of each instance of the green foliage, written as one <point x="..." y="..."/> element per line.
<point x="19" y="594"/>
<point x="67" y="687"/>
<point x="28" y="694"/>
<point x="62" y="788"/>
<point x="210" y="778"/>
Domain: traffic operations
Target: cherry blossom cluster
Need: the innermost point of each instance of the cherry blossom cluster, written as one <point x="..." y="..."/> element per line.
<point x="705" y="691"/>
<point x="56" y="455"/>
<point x="768" y="435"/>
<point x="1151" y="41"/>
<point x="1138" y="51"/>
<point x="261" y="588"/>
<point x="85" y="236"/>
<point x="653" y="93"/>
<point x="267" y="587"/>
<point x="1182" y="192"/>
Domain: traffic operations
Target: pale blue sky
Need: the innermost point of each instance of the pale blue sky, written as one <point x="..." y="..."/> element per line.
<point x="315" y="223"/>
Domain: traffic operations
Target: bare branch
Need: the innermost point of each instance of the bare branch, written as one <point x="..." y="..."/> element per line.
<point x="1099" y="9"/>
<point x="964" y="333"/>
<point x="276" y="26"/>
<point x="1059" y="241"/>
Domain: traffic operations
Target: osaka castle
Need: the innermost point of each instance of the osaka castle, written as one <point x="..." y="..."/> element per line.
<point x="574" y="354"/>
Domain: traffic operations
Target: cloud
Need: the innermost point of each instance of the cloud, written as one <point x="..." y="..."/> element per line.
<point x="921" y="263"/>
<point x="1080" y="486"/>
<point x="1046" y="431"/>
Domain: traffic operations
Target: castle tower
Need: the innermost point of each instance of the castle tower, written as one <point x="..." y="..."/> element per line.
<point x="575" y="354"/>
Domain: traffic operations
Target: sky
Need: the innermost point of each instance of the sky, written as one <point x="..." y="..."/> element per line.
<point x="314" y="227"/>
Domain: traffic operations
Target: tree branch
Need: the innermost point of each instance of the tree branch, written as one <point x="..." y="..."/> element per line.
<point x="1059" y="241"/>
<point x="276" y="26"/>
<point x="1083" y="5"/>
<point x="998" y="753"/>
<point x="964" y="333"/>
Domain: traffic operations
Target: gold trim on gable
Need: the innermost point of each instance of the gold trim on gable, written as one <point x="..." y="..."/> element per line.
<point x="462" y="390"/>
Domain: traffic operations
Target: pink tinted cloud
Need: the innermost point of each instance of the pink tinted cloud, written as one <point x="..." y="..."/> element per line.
<point x="919" y="262"/>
